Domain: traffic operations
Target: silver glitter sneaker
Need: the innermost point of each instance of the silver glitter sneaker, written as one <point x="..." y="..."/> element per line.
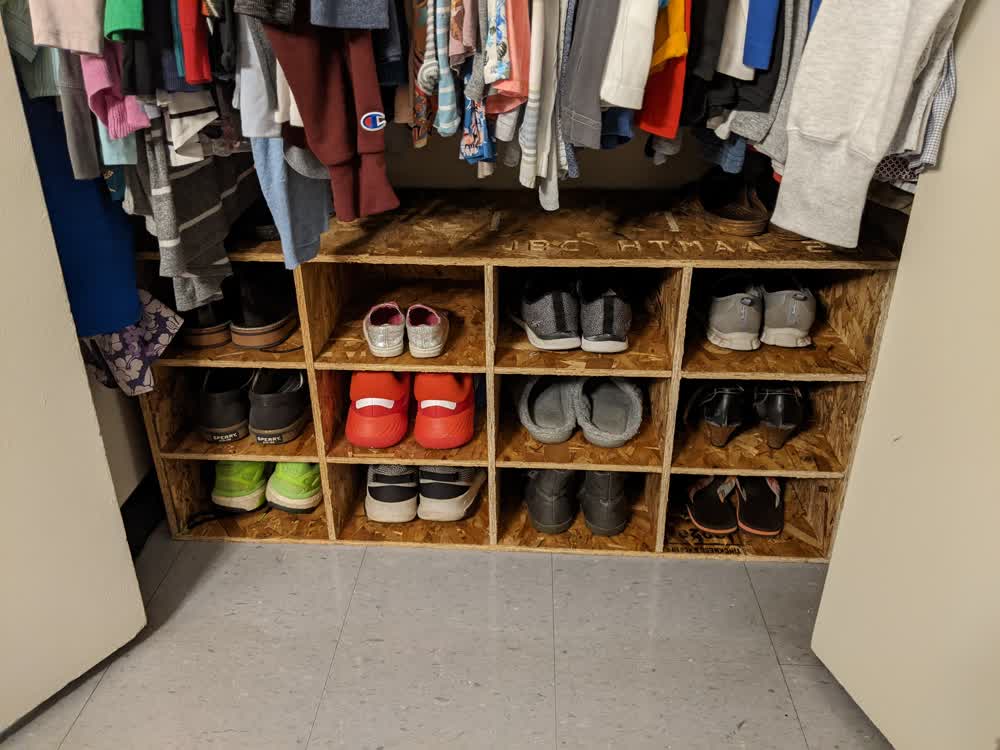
<point x="427" y="330"/>
<point x="384" y="330"/>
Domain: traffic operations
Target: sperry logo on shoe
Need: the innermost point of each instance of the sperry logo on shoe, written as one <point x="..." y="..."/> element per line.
<point x="227" y="437"/>
<point x="269" y="439"/>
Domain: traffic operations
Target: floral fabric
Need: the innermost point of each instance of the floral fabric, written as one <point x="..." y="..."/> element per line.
<point x="125" y="358"/>
<point x="497" y="47"/>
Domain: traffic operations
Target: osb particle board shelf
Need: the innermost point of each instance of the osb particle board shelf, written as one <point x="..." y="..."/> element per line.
<point x="806" y="454"/>
<point x="478" y="247"/>
<point x="516" y="448"/>
<point x="408" y="452"/>
<point x="289" y="354"/>
<point x="506" y="228"/>
<point x="828" y="358"/>
<point x="191" y="445"/>
<point x="265" y="525"/>
<point x="474" y="530"/>
<point x="648" y="355"/>
<point x="465" y="350"/>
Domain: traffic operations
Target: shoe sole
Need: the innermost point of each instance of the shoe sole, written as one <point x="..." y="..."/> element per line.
<point x="757" y="532"/>
<point x="601" y="531"/>
<point x="604" y="347"/>
<point x="444" y="433"/>
<point x="741" y="341"/>
<point x="556" y="528"/>
<point x="241" y="503"/>
<point x="428" y="352"/>
<point x="264" y="337"/>
<point x="229" y="434"/>
<point x="452" y="509"/>
<point x="282" y="434"/>
<point x="383" y="512"/>
<point x="386" y="353"/>
<point x="548" y="345"/>
<point x="790" y="338"/>
<point x="718" y="532"/>
<point x="375" y="432"/>
<point x="208" y="337"/>
<point x="292" y="504"/>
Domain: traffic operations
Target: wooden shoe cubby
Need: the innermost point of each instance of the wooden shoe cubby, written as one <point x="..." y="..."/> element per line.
<point x="468" y="253"/>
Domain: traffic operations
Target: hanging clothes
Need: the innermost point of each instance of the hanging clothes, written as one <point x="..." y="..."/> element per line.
<point x="76" y="25"/>
<point x="512" y="92"/>
<point x="627" y="66"/>
<point x="733" y="40"/>
<point x="595" y="25"/>
<point x="350" y="14"/>
<point x="194" y="38"/>
<point x="102" y="79"/>
<point x="329" y="70"/>
<point x="850" y="97"/>
<point x="447" y="119"/>
<point x="761" y="33"/>
<point x="753" y="123"/>
<point x="423" y="102"/>
<point x="664" y="95"/>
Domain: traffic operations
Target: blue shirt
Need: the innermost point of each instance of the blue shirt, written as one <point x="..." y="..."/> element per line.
<point x="759" y="41"/>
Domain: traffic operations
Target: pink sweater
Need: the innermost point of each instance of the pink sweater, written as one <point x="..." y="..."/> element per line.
<point x="122" y="115"/>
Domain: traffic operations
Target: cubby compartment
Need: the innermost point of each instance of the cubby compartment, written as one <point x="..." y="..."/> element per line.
<point x="653" y="294"/>
<point x="334" y="396"/>
<point x="820" y="448"/>
<point x="189" y="484"/>
<point x="643" y="453"/>
<point x="811" y="508"/>
<point x="849" y="304"/>
<point x="348" y="483"/>
<point x="515" y="529"/>
<point x="338" y="297"/>
<point x="173" y="409"/>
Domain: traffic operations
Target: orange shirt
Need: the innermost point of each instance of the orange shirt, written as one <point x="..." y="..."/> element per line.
<point x="661" y="103"/>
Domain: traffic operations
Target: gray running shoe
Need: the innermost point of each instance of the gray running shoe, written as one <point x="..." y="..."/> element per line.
<point x="447" y="492"/>
<point x="789" y="312"/>
<point x="606" y="317"/>
<point x="549" y="498"/>
<point x="427" y="331"/>
<point x="602" y="499"/>
<point x="608" y="410"/>
<point x="736" y="313"/>
<point x="391" y="496"/>
<point x="549" y="313"/>
<point x="545" y="408"/>
<point x="384" y="330"/>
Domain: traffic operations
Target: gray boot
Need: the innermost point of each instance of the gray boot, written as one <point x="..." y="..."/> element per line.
<point x="550" y="501"/>
<point x="602" y="498"/>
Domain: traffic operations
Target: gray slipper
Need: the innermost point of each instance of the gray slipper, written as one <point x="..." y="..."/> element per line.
<point x="609" y="410"/>
<point x="545" y="408"/>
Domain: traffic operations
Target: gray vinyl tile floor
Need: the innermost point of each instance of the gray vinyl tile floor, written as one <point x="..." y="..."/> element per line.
<point x="304" y="646"/>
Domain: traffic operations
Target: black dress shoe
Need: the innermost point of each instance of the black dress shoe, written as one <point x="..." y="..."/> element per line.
<point x="761" y="508"/>
<point x="722" y="407"/>
<point x="550" y="500"/>
<point x="781" y="410"/>
<point x="602" y="500"/>
<point x="223" y="410"/>
<point x="709" y="506"/>
<point x="279" y="405"/>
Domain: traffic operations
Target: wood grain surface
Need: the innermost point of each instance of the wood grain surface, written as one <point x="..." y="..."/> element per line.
<point x="288" y="354"/>
<point x="473" y="453"/>
<point x="191" y="445"/>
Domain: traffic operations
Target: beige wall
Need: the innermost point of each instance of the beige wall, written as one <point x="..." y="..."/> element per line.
<point x="68" y="593"/>
<point x="910" y="618"/>
<point x="125" y="445"/>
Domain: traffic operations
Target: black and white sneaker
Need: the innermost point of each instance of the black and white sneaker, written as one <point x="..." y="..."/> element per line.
<point x="391" y="496"/>
<point x="549" y="312"/>
<point x="447" y="493"/>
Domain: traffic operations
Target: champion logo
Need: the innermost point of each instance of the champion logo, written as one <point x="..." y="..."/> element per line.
<point x="372" y="121"/>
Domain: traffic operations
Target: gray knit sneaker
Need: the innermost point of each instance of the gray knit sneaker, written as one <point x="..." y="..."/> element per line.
<point x="735" y="315"/>
<point x="447" y="492"/>
<point x="549" y="313"/>
<point x="384" y="330"/>
<point x="605" y="317"/>
<point x="427" y="331"/>
<point x="391" y="495"/>
<point x="789" y="312"/>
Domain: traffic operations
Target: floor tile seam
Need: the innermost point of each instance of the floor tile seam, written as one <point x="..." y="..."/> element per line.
<point x="555" y="687"/>
<point x="163" y="579"/>
<point x="336" y="648"/>
<point x="79" y="713"/>
<point x="784" y="679"/>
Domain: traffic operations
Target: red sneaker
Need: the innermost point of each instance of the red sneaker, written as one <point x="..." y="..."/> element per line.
<point x="380" y="406"/>
<point x="446" y="409"/>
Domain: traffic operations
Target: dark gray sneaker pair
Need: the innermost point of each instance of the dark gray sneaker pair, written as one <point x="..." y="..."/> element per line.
<point x="397" y="494"/>
<point x="273" y="405"/>
<point x="558" y="313"/>
<point x="552" y="496"/>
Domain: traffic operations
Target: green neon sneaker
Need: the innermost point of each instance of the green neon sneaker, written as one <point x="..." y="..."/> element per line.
<point x="239" y="485"/>
<point x="294" y="487"/>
